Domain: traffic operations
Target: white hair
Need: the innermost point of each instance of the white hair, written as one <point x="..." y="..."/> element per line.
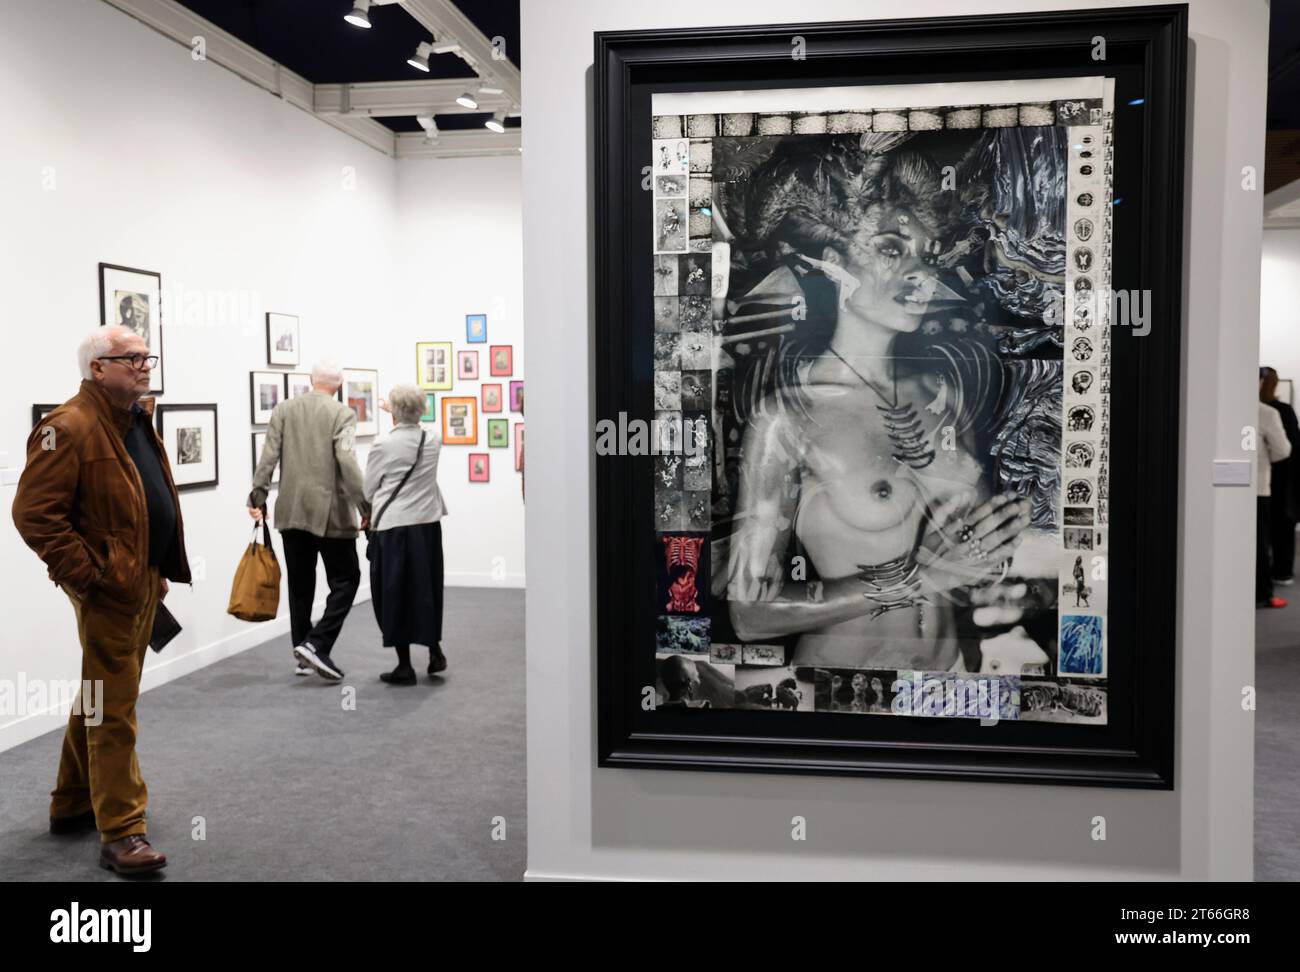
<point x="326" y="372"/>
<point x="407" y="404"/>
<point x="98" y="343"/>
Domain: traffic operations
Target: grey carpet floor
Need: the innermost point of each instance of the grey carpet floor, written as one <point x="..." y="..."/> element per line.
<point x="1277" y="741"/>
<point x="291" y="785"/>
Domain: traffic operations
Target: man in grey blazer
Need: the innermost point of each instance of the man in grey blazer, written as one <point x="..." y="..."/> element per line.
<point x="312" y="438"/>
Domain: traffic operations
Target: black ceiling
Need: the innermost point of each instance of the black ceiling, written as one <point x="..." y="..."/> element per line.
<point x="311" y="38"/>
<point x="1284" y="65"/>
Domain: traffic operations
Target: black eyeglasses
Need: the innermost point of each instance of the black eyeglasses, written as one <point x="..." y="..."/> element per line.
<point x="138" y="361"/>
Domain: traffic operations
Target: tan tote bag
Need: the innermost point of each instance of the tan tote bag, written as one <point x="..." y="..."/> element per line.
<point x="255" y="593"/>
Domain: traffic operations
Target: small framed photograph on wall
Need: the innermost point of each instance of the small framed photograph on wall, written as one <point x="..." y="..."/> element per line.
<point x="433" y="365"/>
<point x="259" y="441"/>
<point x="281" y="339"/>
<point x="475" y="328"/>
<point x="189" y="434"/>
<point x="296" y="383"/>
<point x="479" y="465"/>
<point x="430" y="408"/>
<point x="491" y="398"/>
<point x="360" y="393"/>
<point x="460" y="421"/>
<point x="133" y="298"/>
<point x="519" y="446"/>
<point x="498" y="433"/>
<point x="467" y="365"/>
<point x="516" y="396"/>
<point x="265" y="391"/>
<point x="39" y="412"/>
<point x="502" y="360"/>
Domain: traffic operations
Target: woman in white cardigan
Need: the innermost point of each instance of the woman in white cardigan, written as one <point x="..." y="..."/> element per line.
<point x="406" y="571"/>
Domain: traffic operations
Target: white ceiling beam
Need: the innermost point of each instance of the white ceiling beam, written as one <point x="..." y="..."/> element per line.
<point x="443" y="19"/>
<point x="458" y="144"/>
<point x="391" y="99"/>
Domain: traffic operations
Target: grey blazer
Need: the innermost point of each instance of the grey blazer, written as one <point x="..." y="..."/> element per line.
<point x="312" y="437"/>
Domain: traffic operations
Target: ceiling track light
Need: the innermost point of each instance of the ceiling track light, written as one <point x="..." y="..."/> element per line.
<point x="497" y="123"/>
<point x="430" y="126"/>
<point x="360" y="15"/>
<point x="420" y="59"/>
<point x="467" y="100"/>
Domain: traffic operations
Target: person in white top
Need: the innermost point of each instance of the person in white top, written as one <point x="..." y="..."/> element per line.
<point x="405" y="551"/>
<point x="1272" y="447"/>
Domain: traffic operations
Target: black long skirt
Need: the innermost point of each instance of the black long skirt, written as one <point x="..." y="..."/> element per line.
<point x="406" y="584"/>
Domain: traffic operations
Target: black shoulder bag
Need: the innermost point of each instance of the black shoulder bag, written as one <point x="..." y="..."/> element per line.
<point x="374" y="523"/>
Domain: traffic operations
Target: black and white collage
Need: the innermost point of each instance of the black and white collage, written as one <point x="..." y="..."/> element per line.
<point x="881" y="393"/>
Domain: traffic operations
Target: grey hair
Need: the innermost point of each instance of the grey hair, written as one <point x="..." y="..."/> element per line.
<point x="98" y="343"/>
<point x="406" y="403"/>
<point x="326" y="372"/>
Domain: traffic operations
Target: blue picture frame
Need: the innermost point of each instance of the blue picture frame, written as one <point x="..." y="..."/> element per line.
<point x="476" y="328"/>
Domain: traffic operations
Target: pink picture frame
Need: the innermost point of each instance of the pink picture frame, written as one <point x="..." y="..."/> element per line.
<point x="467" y="365"/>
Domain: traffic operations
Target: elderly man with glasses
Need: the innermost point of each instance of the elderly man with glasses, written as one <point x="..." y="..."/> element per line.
<point x="97" y="503"/>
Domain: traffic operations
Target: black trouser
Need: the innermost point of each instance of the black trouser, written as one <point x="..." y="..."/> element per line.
<point x="1282" y="538"/>
<point x="342" y="572"/>
<point x="1263" y="571"/>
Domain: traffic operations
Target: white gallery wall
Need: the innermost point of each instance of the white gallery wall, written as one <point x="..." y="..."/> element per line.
<point x="1279" y="303"/>
<point x="659" y="824"/>
<point x="120" y="148"/>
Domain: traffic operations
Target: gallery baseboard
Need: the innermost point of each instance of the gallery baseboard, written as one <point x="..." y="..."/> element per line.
<point x="55" y="717"/>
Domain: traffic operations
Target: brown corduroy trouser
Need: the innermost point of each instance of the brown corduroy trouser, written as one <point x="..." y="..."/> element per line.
<point x="98" y="768"/>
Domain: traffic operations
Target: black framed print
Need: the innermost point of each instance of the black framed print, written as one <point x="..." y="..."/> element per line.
<point x="189" y="434"/>
<point x="886" y="437"/>
<point x="266" y="389"/>
<point x="361" y="394"/>
<point x="39" y="412"/>
<point x="133" y="298"/>
<point x="259" y="441"/>
<point x="281" y="339"/>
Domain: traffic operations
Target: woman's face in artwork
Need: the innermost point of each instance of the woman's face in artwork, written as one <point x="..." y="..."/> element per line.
<point x="888" y="281"/>
<point x="859" y="682"/>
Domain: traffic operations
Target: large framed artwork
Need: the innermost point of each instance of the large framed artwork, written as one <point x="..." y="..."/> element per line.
<point x="433" y="365"/>
<point x="133" y="298"/>
<point x="886" y="436"/>
<point x="281" y="339"/>
<point x="189" y="434"/>
<point x="361" y="394"/>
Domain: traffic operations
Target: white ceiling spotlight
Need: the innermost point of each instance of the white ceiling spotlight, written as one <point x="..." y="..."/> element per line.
<point x="360" y="15"/>
<point x="488" y="88"/>
<point x="420" y="59"/>
<point x="497" y="123"/>
<point x="467" y="100"/>
<point x="430" y="126"/>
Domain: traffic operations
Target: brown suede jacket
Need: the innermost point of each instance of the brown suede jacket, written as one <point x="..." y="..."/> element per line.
<point x="81" y="504"/>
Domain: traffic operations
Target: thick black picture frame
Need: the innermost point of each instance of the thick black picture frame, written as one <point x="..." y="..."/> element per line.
<point x="103" y="312"/>
<point x="297" y="339"/>
<point x="161" y="410"/>
<point x="1146" y="54"/>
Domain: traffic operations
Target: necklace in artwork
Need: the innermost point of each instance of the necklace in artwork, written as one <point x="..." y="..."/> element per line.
<point x="906" y="434"/>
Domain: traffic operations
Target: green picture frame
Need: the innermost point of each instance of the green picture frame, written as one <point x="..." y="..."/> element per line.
<point x="498" y="433"/>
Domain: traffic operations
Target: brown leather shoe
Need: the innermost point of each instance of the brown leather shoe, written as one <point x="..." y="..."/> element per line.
<point x="131" y="855"/>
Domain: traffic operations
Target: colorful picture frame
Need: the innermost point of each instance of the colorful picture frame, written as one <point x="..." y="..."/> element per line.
<point x="492" y="398"/>
<point x="519" y="447"/>
<point x="498" y="433"/>
<point x="476" y="329"/>
<point x="433" y="365"/>
<point x="460" y="420"/>
<point x="517" y="396"/>
<point x="480" y="467"/>
<point x="430" y="408"/>
<point x="467" y="365"/>
<point x="501" y="360"/>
